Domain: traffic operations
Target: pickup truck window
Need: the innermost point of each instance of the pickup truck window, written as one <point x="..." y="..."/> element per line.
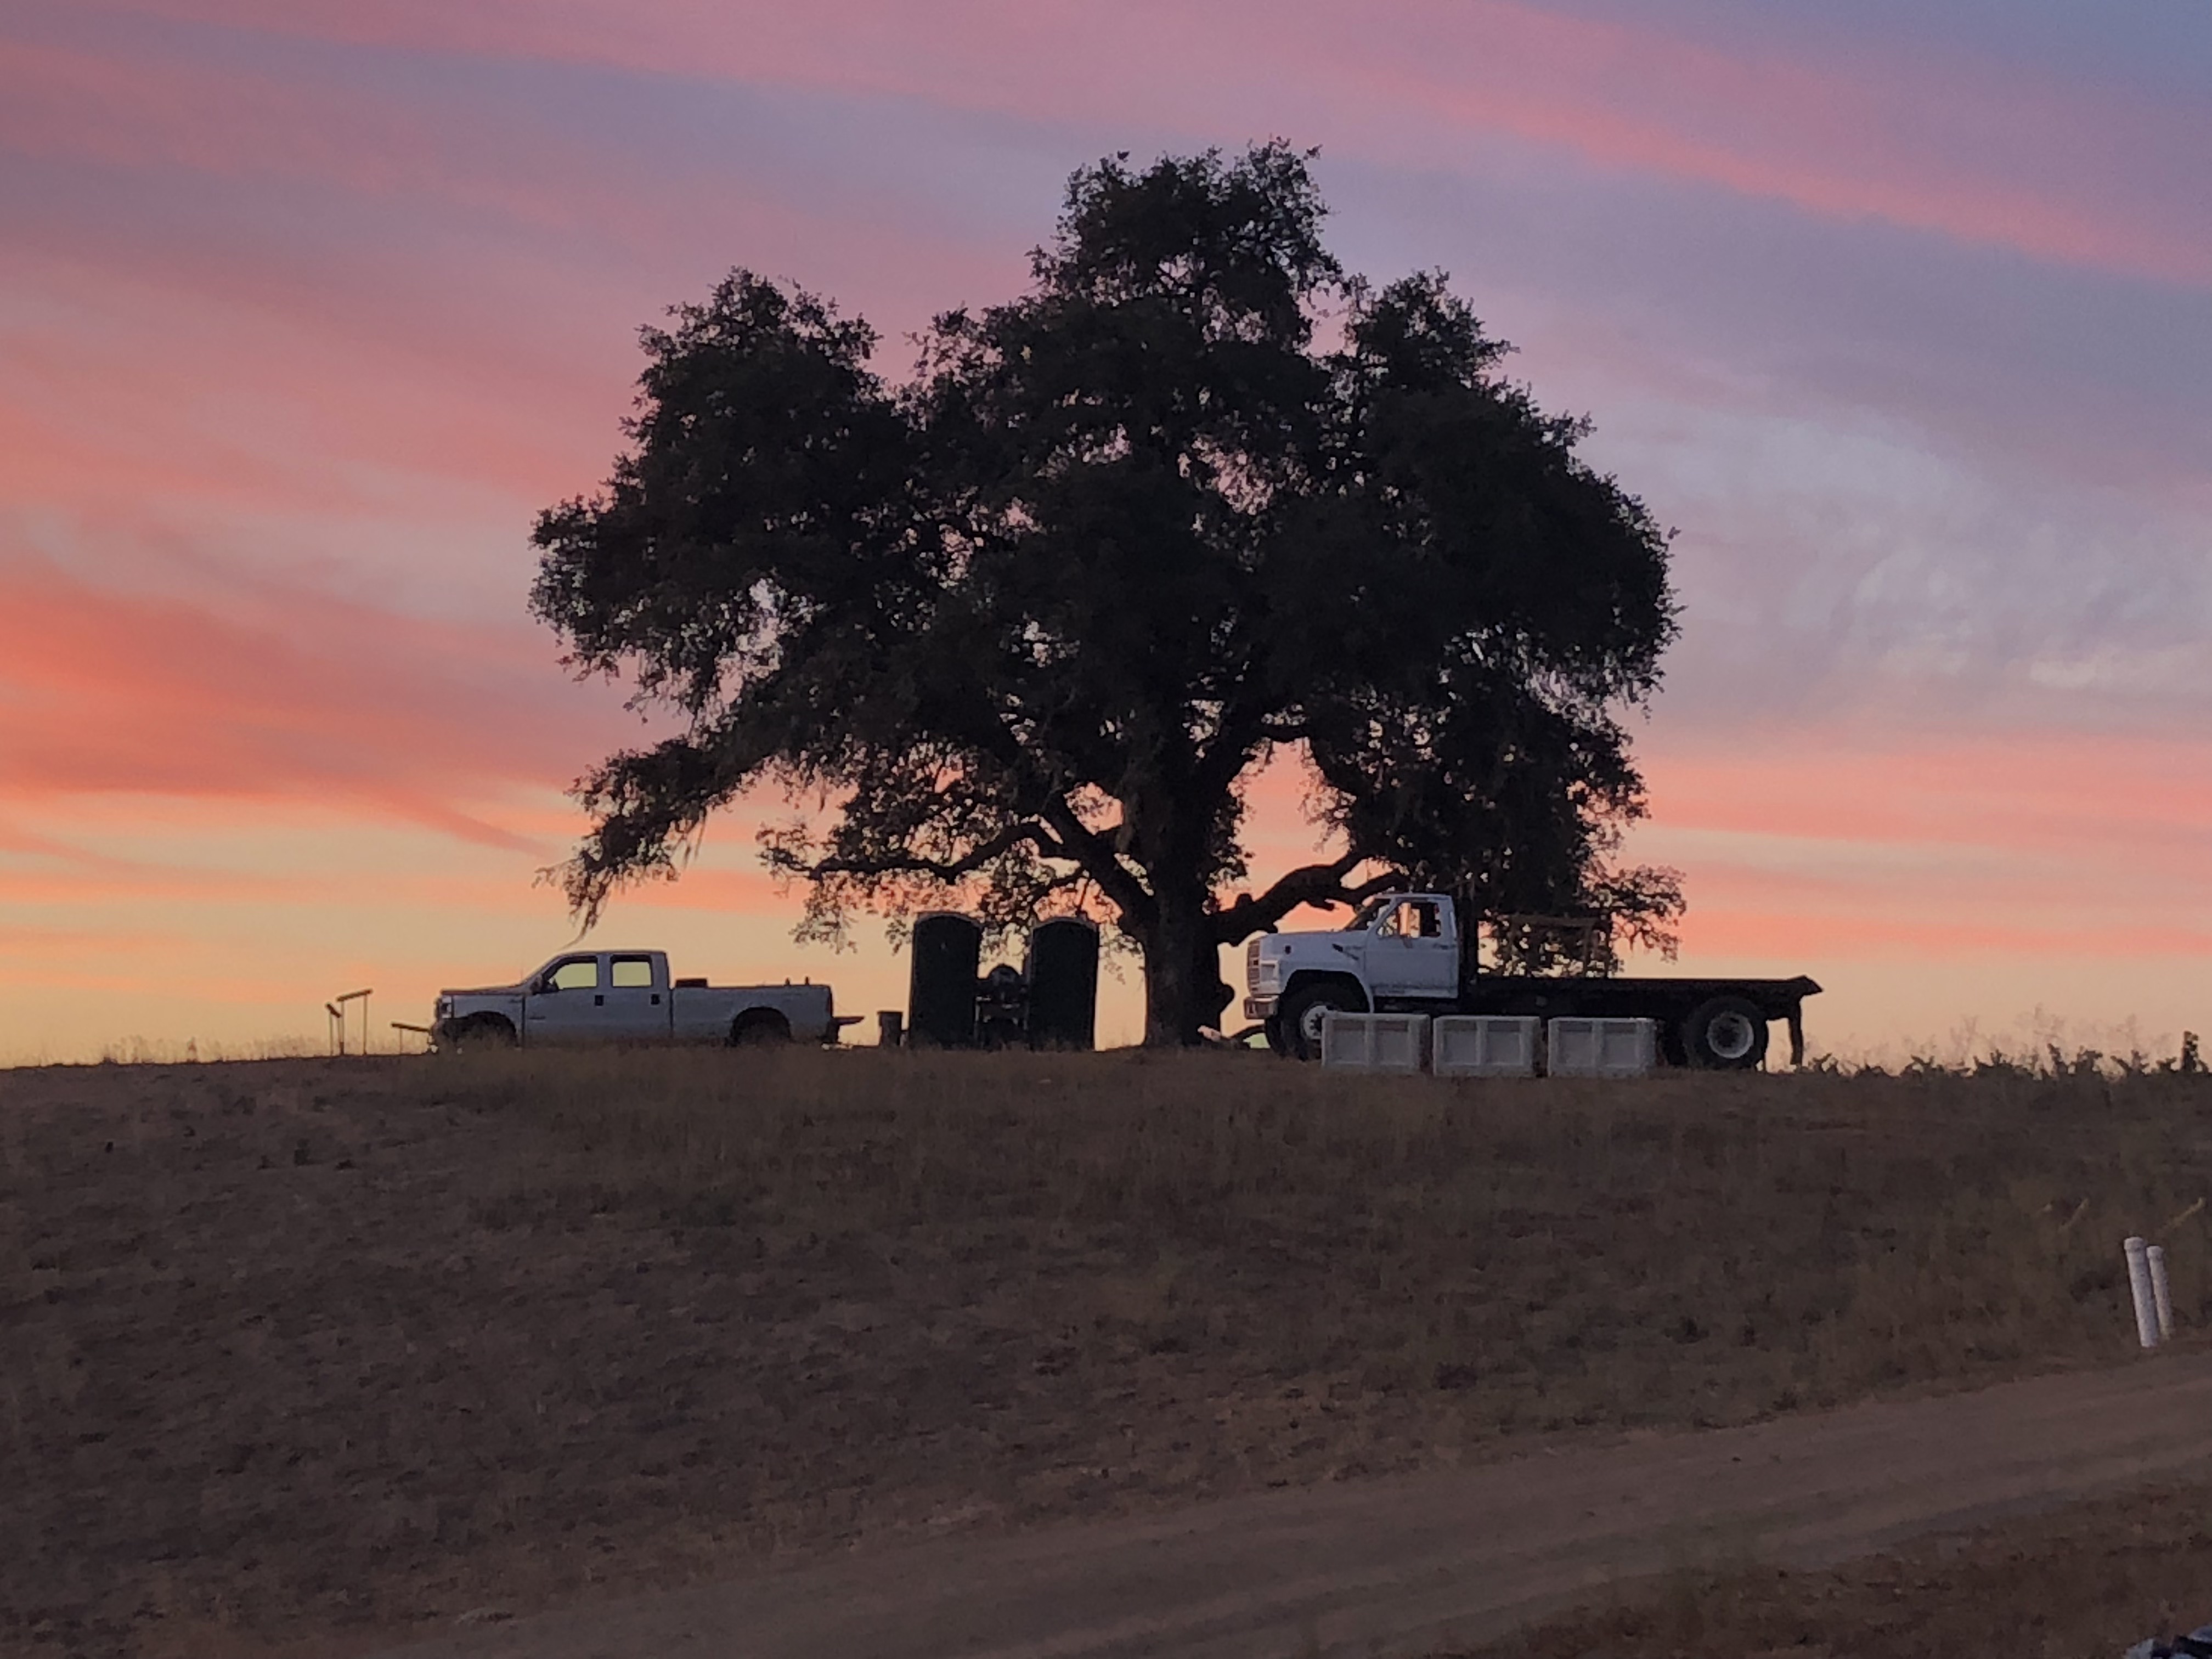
<point x="630" y="973"/>
<point x="577" y="974"/>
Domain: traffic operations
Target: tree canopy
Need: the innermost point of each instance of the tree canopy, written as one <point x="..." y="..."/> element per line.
<point x="1020" y="627"/>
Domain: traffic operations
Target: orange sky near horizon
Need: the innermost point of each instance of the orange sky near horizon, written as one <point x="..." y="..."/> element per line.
<point x="306" y="308"/>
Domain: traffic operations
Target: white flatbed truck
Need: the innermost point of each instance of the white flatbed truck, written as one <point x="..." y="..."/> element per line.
<point x="1408" y="953"/>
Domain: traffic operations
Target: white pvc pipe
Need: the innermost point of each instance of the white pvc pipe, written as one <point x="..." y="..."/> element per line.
<point x="2161" y="1293"/>
<point x="2139" y="1282"/>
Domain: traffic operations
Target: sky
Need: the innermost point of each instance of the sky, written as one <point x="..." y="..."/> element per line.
<point x="1900" y="316"/>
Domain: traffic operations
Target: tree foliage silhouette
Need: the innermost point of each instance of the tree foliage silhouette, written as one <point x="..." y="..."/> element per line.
<point x="1019" y="629"/>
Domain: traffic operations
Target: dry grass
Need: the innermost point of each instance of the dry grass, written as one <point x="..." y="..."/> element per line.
<point x="306" y="1347"/>
<point x="2085" y="1582"/>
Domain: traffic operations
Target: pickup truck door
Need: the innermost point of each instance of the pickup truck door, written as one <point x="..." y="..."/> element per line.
<point x="564" y="1002"/>
<point x="636" y="1009"/>
<point x="1413" y="951"/>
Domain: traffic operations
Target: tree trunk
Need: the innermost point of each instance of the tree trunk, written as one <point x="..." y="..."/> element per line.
<point x="1183" y="974"/>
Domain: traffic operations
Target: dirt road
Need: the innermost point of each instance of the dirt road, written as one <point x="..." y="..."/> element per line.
<point x="1409" y="1565"/>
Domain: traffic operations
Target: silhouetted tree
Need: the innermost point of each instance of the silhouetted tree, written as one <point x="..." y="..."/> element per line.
<point x="1020" y="627"/>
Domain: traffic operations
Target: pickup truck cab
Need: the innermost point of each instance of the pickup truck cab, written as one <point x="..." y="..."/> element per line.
<point x="1410" y="953"/>
<point x="627" y="996"/>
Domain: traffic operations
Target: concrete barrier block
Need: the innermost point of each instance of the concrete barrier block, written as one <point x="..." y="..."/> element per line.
<point x="1601" y="1048"/>
<point x="1483" y="1045"/>
<point x="1375" y="1042"/>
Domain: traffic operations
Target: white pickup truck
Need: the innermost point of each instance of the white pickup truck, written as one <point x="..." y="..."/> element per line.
<point x="627" y="996"/>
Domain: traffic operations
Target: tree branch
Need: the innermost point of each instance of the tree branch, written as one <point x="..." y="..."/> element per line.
<point x="1096" y="856"/>
<point x="951" y="870"/>
<point x="1310" y="884"/>
<point x="1245" y="725"/>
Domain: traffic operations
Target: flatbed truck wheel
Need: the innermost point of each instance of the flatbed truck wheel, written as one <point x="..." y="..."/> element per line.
<point x="1305" y="1008"/>
<point x="1726" y="1034"/>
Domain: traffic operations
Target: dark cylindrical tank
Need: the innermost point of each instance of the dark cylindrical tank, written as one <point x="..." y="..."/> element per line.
<point x="940" y="995"/>
<point x="1062" y="971"/>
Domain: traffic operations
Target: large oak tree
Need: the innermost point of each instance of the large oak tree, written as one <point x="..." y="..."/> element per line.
<point x="1019" y="629"/>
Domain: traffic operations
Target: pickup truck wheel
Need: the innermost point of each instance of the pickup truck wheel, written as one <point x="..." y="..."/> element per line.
<point x="1725" y="1033"/>
<point x="760" y="1026"/>
<point x="1273" y="1027"/>
<point x="484" y="1031"/>
<point x="1305" y="1008"/>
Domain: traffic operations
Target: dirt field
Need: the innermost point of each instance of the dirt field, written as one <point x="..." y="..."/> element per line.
<point x="2085" y="1582"/>
<point x="335" y="1351"/>
<point x="1406" y="1567"/>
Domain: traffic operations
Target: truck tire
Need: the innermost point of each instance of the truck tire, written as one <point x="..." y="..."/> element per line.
<point x="1725" y="1033"/>
<point x="484" y="1031"/>
<point x="759" y="1026"/>
<point x="1304" y="1009"/>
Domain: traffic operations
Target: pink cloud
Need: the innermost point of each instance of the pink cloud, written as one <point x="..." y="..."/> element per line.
<point x="741" y="892"/>
<point x="221" y="384"/>
<point x="1812" y="940"/>
<point x="311" y="698"/>
<point x="1921" y="142"/>
<point x="108" y="104"/>
<point x="1829" y="844"/>
<point x="83" y="886"/>
<point x="1936" y="146"/>
<point x="2046" y="790"/>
